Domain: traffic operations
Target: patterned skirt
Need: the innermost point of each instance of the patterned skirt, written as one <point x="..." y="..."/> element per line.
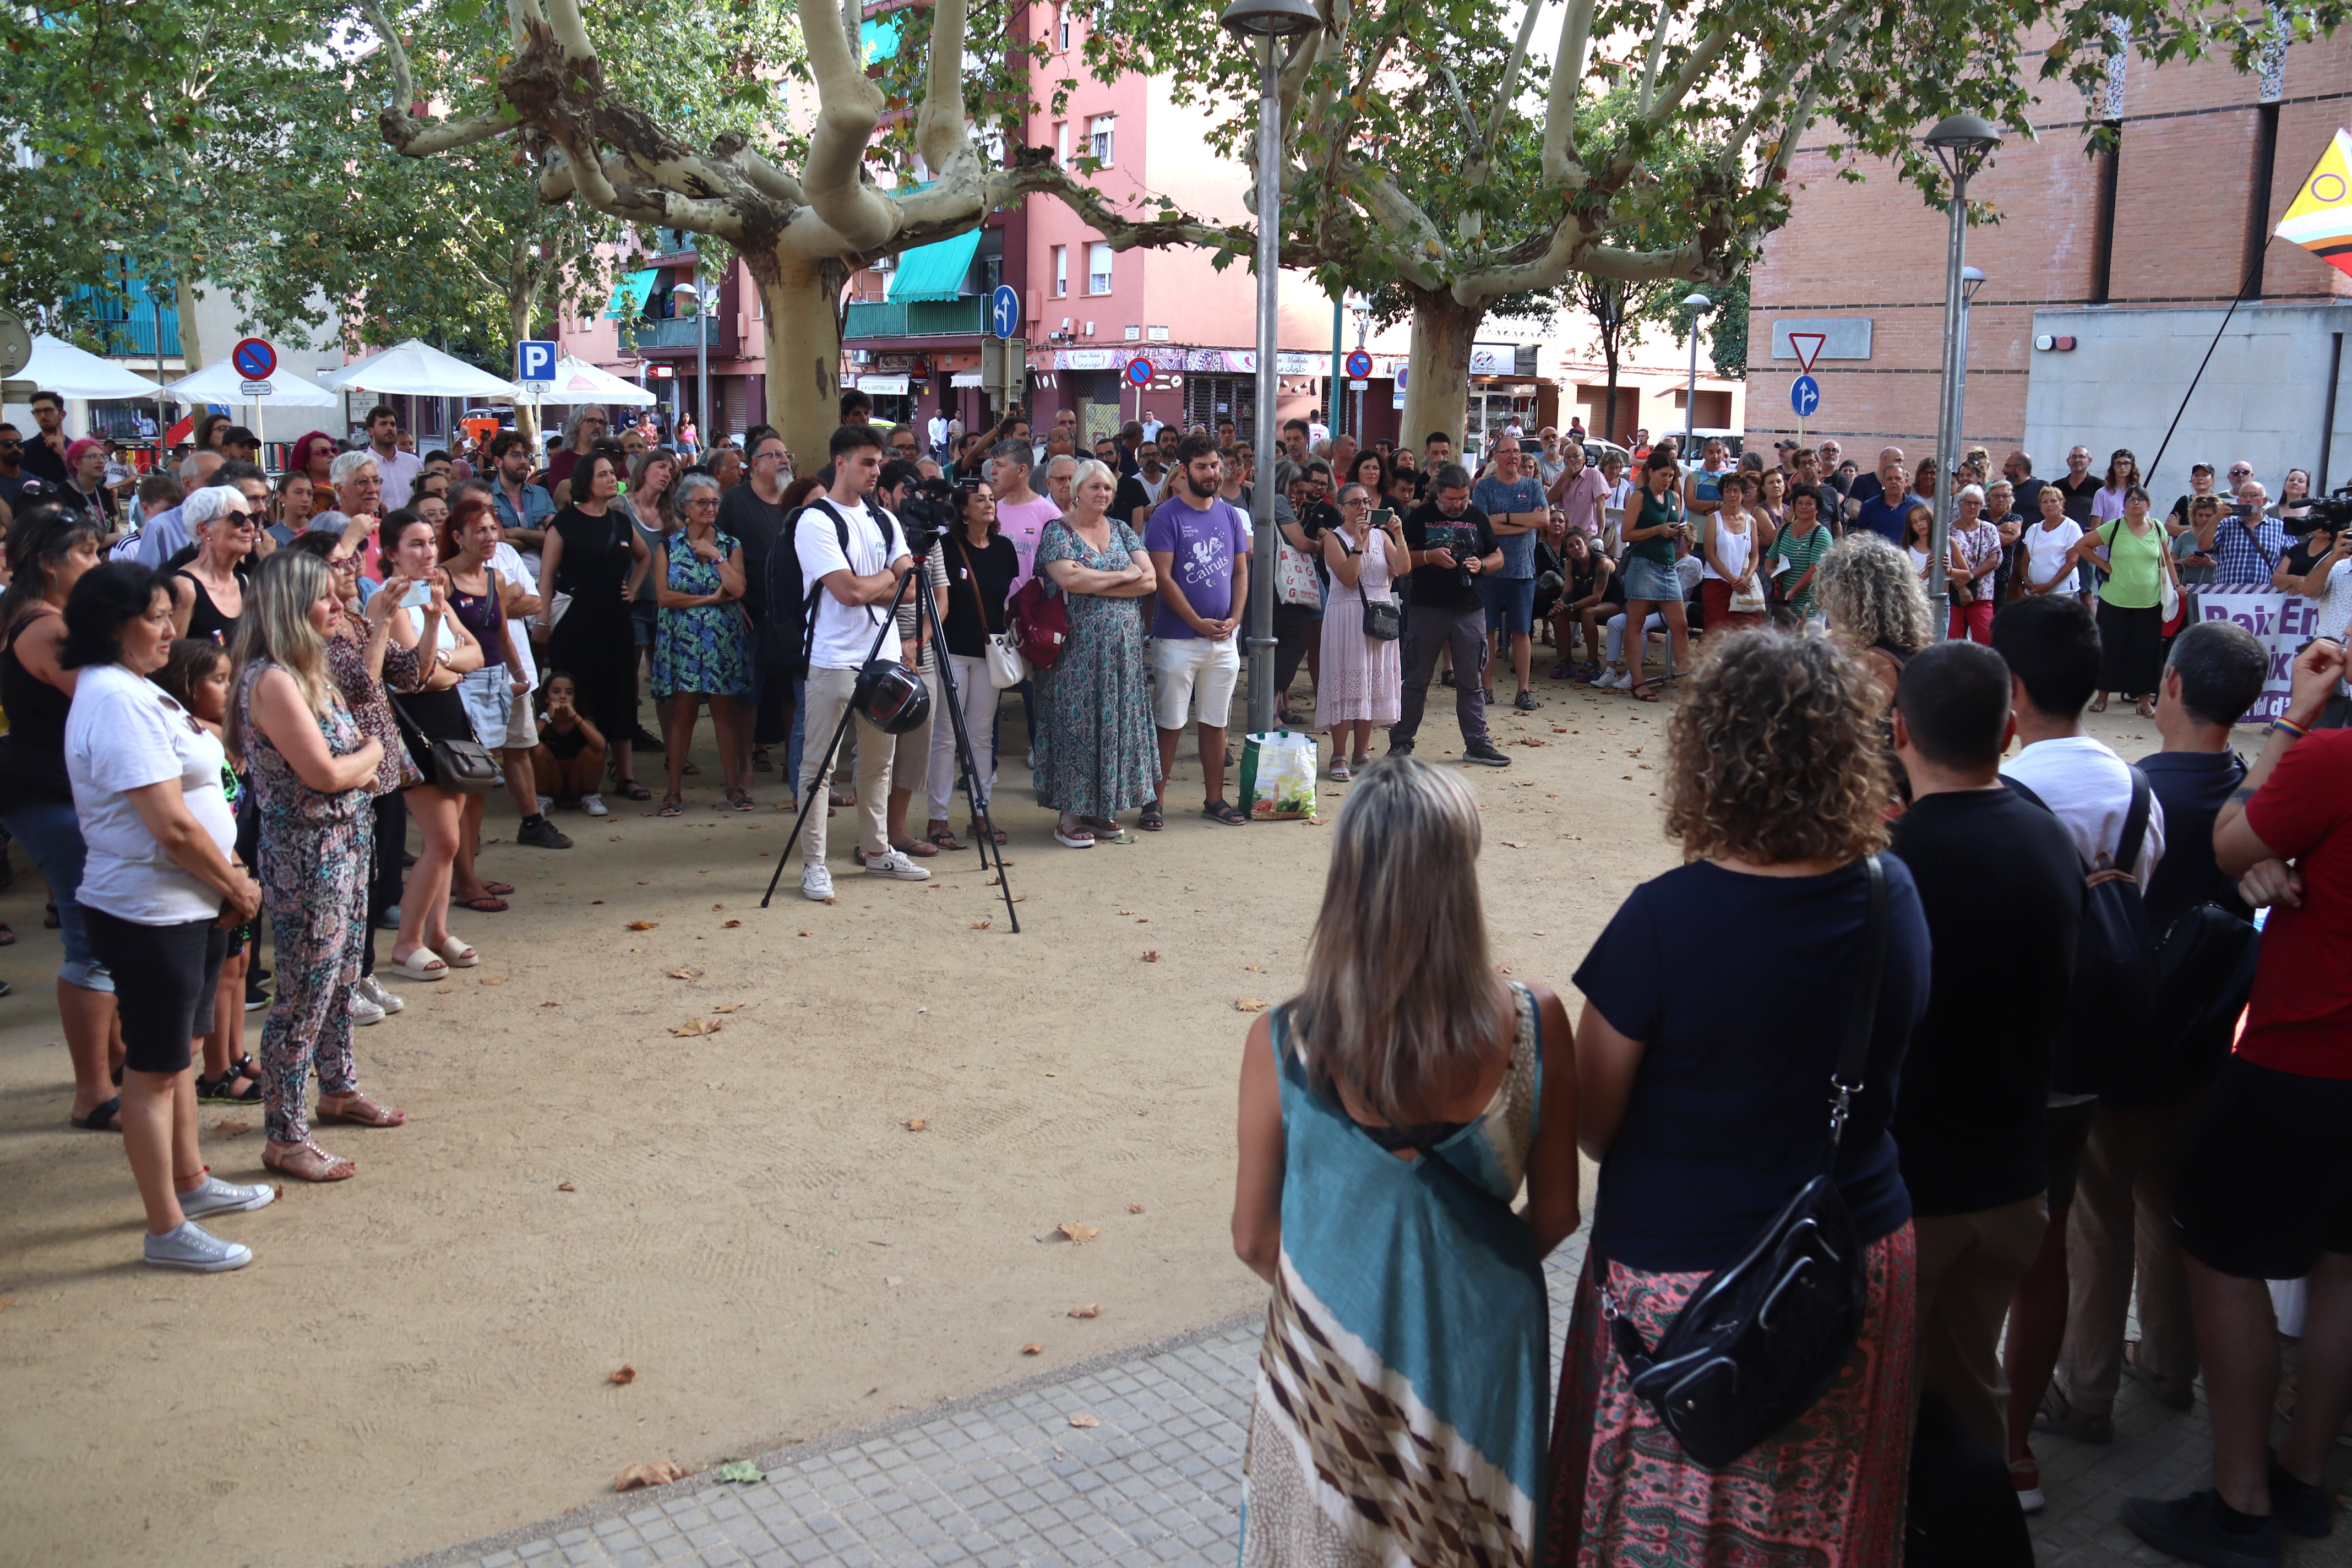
<point x="1828" y="1493"/>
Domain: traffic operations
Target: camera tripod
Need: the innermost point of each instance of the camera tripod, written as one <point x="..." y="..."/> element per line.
<point x="928" y="613"/>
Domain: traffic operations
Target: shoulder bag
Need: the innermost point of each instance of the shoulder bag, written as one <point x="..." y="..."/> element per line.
<point x="1762" y="1341"/>
<point x="1006" y="668"/>
<point x="1037" y="617"/>
<point x="464" y="766"/>
<point x="1383" y="618"/>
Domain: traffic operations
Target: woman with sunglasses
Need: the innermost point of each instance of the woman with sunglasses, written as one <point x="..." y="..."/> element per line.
<point x="208" y="593"/>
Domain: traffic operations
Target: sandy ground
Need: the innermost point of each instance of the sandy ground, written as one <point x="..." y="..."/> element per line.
<point x="422" y="1355"/>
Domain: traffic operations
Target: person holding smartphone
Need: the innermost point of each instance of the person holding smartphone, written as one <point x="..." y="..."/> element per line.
<point x="1659" y="532"/>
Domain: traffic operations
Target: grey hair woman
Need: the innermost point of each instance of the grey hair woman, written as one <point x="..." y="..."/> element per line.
<point x="1872" y="599"/>
<point x="1388" y="1114"/>
<point x="701" y="646"/>
<point x="311" y="766"/>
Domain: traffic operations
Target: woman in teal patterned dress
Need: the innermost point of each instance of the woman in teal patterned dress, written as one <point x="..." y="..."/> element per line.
<point x="1098" y="754"/>
<point x="701" y="650"/>
<point x="1388" y="1114"/>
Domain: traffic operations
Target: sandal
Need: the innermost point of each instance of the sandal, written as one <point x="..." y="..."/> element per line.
<point x="484" y="905"/>
<point x="106" y="1118"/>
<point x="218" y="1091"/>
<point x="671" y="805"/>
<point x="2170" y="1392"/>
<point x="1359" y="764"/>
<point x="421" y="965"/>
<point x="2146" y="708"/>
<point x="741" y="799"/>
<point x="357" y="1110"/>
<point x="1641" y="692"/>
<point x="693" y="768"/>
<point x="306" y="1162"/>
<point x="1152" y="820"/>
<point x="1102" y="826"/>
<point x="944" y="838"/>
<point x="761" y="763"/>
<point x="915" y="847"/>
<point x="1339" y="770"/>
<point x="457" y="954"/>
<point x="630" y="789"/>
<point x="2100" y="704"/>
<point x="7" y="937"/>
<point x="995" y="834"/>
<point x="1226" y="812"/>
<point x="1081" y="839"/>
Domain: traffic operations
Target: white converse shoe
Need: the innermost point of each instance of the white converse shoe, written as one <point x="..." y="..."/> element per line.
<point x="194" y="1248"/>
<point x="594" y="804"/>
<point x="216" y="1196"/>
<point x="816" y="884"/>
<point x="897" y="866"/>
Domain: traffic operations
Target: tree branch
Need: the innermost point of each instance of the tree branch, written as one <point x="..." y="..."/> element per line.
<point x="1510" y="82"/>
<point x="733" y="148"/>
<point x="1421" y="259"/>
<point x="571" y="36"/>
<point x="940" y="133"/>
<point x="408" y="135"/>
<point x="1035" y="171"/>
<point x="1643" y="266"/>
<point x="1650" y="65"/>
<point x="848" y="108"/>
<point x="1562" y="168"/>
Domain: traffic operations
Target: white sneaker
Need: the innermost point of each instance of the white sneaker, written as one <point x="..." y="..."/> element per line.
<point x="817" y="883"/>
<point x="216" y="1196"/>
<point x="546" y="804"/>
<point x="363" y="1011"/>
<point x="193" y="1247"/>
<point x="1621" y="681"/>
<point x="375" y="992"/>
<point x="594" y="804"/>
<point x="897" y="866"/>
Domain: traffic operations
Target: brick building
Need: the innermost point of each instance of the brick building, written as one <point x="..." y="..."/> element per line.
<point x="2123" y="263"/>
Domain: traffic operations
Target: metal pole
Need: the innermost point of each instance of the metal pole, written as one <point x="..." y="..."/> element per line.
<point x="1338" y="406"/>
<point x="1948" y="424"/>
<point x="701" y="365"/>
<point x="1269" y="281"/>
<point x="1690" y="395"/>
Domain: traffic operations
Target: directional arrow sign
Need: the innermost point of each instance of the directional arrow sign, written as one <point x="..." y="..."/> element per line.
<point x="1804" y="395"/>
<point x="1004" y="312"/>
<point x="1807" y="347"/>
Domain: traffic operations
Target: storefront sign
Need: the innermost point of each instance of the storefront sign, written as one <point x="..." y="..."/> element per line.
<point x="883" y="385"/>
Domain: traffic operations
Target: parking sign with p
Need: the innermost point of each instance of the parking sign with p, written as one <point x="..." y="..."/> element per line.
<point x="535" y="361"/>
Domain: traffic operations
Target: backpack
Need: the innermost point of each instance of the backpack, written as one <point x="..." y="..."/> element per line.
<point x="789" y="637"/>
<point x="1038" y="618"/>
<point x="2111" y="1009"/>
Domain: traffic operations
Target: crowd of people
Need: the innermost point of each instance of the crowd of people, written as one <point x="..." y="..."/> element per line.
<point x="226" y="703"/>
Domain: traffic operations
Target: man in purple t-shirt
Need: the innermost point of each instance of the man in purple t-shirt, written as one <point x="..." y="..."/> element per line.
<point x="1200" y="547"/>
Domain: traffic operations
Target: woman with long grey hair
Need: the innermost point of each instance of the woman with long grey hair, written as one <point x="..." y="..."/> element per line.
<point x="1389" y="1113"/>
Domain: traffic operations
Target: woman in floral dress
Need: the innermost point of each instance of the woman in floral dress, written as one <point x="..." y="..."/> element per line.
<point x="701" y="650"/>
<point x="1098" y="754"/>
<point x="311" y="767"/>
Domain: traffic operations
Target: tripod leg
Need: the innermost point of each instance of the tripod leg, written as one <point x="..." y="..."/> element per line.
<point x="964" y="760"/>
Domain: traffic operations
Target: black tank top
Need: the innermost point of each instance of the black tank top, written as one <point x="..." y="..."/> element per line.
<point x="33" y="755"/>
<point x="206" y="620"/>
<point x="478" y="614"/>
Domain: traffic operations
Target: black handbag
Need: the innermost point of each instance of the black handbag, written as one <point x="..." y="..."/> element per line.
<point x="465" y="766"/>
<point x="1383" y="618"/>
<point x="1761" y="1341"/>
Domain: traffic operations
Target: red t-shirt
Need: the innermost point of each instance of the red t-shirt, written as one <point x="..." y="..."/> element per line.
<point x="2301" y="1017"/>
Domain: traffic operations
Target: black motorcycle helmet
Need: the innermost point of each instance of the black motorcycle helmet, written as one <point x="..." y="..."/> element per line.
<point x="891" y="698"/>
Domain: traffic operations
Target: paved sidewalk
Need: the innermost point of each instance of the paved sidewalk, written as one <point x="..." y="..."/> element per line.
<point x="1004" y="1479"/>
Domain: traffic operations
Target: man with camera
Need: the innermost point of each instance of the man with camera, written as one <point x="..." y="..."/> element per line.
<point x="1451" y="547"/>
<point x="852" y="554"/>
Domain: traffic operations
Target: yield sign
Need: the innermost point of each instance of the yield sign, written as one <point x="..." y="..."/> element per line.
<point x="1807" y="347"/>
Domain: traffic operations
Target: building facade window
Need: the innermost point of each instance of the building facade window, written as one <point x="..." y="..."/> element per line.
<point x="1098" y="138"/>
<point x="1099" y="268"/>
<point x="1061" y="25"/>
<point x="1061" y="141"/>
<point x="1061" y="271"/>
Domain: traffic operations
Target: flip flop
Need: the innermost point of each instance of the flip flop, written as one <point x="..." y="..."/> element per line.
<point x="915" y="847"/>
<point x="483" y="906"/>
<point x="496" y="889"/>
<point x="457" y="954"/>
<point x="106" y="1118"/>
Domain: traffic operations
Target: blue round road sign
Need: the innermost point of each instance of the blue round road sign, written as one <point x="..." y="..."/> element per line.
<point x="1805" y="397"/>
<point x="1139" y="372"/>
<point x="1004" y="311"/>
<point x="254" y="358"/>
<point x="1360" y="365"/>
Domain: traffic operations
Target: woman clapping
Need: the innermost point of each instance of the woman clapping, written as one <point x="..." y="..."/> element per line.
<point x="312" y="765"/>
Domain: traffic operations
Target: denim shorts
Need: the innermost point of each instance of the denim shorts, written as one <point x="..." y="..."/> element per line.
<point x="641" y="613"/>
<point x="1510" y="604"/>
<point x="52" y="836"/>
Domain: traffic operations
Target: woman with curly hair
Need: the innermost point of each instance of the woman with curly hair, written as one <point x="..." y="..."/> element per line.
<point x="1874" y="600"/>
<point x="1703" y="1104"/>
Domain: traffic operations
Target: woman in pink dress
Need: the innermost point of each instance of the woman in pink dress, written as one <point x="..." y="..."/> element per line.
<point x="1362" y="676"/>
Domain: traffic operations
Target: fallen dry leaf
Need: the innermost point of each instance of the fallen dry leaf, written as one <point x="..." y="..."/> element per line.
<point x="279" y="1192"/>
<point x="1127" y="911"/>
<point x="494" y="980"/>
<point x="1511" y="844"/>
<point x="1312" y="821"/>
<point x="625" y="1377"/>
<point x="1258" y="968"/>
<point x="1135" y="1208"/>
<point x="1144" y="919"/>
<point x="981" y="925"/>
<point x="1077" y="1231"/>
<point x="7" y="1302"/>
<point x="551" y="1003"/>
<point x="594" y="901"/>
<point x="230" y="1127"/>
<point x="565" y="1187"/>
<point x="643" y="925"/>
<point x="917" y="1124"/>
<point x="719" y="906"/>
<point x="737" y="1006"/>
<point x="1033" y="1348"/>
<point x="1088" y="1311"/>
<point x="660" y="1473"/>
<point x="695" y="1026"/>
<point x="730" y="925"/>
<point x="1248" y="1004"/>
<point x="1083" y="1419"/>
<point x="1529" y="741"/>
<point x="684" y="974"/>
<point x="1151" y="957"/>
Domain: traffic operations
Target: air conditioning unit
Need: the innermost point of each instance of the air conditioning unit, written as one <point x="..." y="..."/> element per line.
<point x="1090" y="328"/>
<point x="884" y="263"/>
<point x="860" y="357"/>
<point x="1065" y="323"/>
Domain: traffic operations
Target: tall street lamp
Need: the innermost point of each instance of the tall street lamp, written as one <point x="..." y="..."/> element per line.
<point x="1697" y="305"/>
<point x="1266" y="21"/>
<point x="1971" y="280"/>
<point x="1960" y="144"/>
<point x="692" y="293"/>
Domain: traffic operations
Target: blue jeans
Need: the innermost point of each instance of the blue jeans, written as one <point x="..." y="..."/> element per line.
<point x="52" y="836"/>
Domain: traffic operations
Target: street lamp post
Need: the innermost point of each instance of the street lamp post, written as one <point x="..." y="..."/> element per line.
<point x="1697" y="305"/>
<point x="1267" y="22"/>
<point x="1961" y="144"/>
<point x="693" y="292"/>
<point x="1971" y="280"/>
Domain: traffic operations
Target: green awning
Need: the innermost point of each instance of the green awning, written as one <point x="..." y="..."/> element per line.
<point x="935" y="272"/>
<point x="629" y="300"/>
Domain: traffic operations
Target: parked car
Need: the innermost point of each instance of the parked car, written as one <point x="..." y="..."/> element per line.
<point x="1596" y="451"/>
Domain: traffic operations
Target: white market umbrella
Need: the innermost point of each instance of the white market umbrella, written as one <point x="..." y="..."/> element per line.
<point x="415" y="369"/>
<point x="221" y="384"/>
<point x="57" y="366"/>
<point x="576" y="382"/>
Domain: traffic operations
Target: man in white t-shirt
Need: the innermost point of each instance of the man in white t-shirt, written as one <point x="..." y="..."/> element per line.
<point x="937" y="430"/>
<point x="853" y="590"/>
<point x="2051" y="646"/>
<point x="1022" y="513"/>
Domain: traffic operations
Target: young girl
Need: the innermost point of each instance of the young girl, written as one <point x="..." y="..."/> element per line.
<point x="570" y="757"/>
<point x="196" y="676"/>
<point x="1918" y="538"/>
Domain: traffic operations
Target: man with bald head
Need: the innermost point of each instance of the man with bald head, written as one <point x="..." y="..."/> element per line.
<point x="1871" y="486"/>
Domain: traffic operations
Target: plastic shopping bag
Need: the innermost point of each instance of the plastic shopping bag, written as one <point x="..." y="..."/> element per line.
<point x="1278" y="775"/>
